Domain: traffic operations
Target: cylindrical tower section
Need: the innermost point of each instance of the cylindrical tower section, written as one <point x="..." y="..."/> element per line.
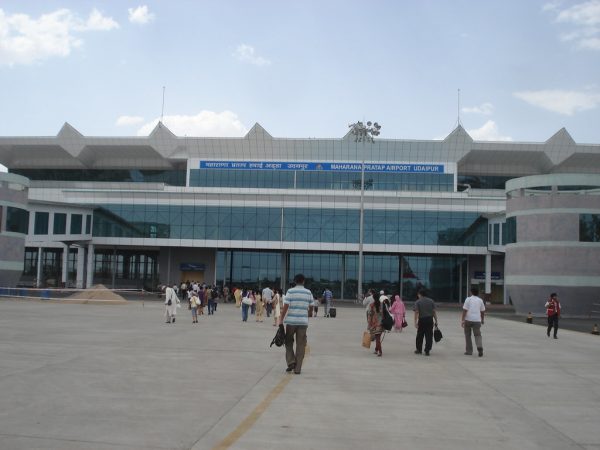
<point x="14" y="225"/>
<point x="553" y="242"/>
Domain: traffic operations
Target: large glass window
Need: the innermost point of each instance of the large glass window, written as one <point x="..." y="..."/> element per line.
<point x="589" y="227"/>
<point x="17" y="220"/>
<point x="299" y="225"/>
<point x="511" y="230"/>
<point x="438" y="275"/>
<point x="321" y="180"/>
<point x="76" y="223"/>
<point x="496" y="234"/>
<point x="248" y="269"/>
<point x="134" y="269"/>
<point x="88" y="223"/>
<point x="60" y="223"/>
<point x="321" y="270"/>
<point x="482" y="182"/>
<point x="171" y="177"/>
<point x="41" y="223"/>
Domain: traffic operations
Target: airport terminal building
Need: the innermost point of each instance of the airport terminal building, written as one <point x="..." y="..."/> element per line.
<point x="519" y="219"/>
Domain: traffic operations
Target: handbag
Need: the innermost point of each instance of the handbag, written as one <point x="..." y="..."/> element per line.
<point x="437" y="334"/>
<point x="404" y="323"/>
<point x="279" y="338"/>
<point x="366" y="339"/>
<point x="387" y="321"/>
<point x="247" y="301"/>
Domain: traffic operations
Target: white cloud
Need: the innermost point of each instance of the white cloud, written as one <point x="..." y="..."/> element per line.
<point x="488" y="132"/>
<point x="125" y="121"/>
<point x="246" y="53"/>
<point x="586" y="13"/>
<point x="26" y="40"/>
<point x="205" y="123"/>
<point x="562" y="102"/>
<point x="585" y="18"/>
<point x="140" y="15"/>
<point x="97" y="22"/>
<point x="485" y="108"/>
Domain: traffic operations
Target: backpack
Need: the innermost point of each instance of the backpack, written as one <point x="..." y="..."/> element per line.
<point x="387" y="321"/>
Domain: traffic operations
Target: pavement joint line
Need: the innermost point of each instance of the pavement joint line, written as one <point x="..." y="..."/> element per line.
<point x="29" y="436"/>
<point x="253" y="417"/>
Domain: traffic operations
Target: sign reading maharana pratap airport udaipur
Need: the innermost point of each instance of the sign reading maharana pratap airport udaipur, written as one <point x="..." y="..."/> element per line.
<point x="325" y="166"/>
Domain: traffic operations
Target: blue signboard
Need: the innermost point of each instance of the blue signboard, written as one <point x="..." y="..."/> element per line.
<point x="324" y="166"/>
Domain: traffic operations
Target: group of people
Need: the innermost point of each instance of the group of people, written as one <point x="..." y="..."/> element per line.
<point x="256" y="302"/>
<point x="197" y="295"/>
<point x="293" y="310"/>
<point x="425" y="319"/>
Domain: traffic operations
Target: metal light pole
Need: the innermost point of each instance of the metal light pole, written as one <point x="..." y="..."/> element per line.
<point x="363" y="134"/>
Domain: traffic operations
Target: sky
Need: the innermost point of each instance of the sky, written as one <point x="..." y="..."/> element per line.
<point x="302" y="69"/>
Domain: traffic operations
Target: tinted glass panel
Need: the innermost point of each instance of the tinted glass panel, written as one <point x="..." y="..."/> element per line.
<point x="511" y="230"/>
<point x="41" y="223"/>
<point x="76" y="222"/>
<point x="171" y="177"/>
<point x="298" y="225"/>
<point x="17" y="220"/>
<point x="60" y="223"/>
<point x="589" y="227"/>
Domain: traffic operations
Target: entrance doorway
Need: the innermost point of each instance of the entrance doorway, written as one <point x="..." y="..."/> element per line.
<point x="197" y="276"/>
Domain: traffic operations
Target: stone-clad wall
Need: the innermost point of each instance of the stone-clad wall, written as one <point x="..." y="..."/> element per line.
<point x="13" y="193"/>
<point x="548" y="256"/>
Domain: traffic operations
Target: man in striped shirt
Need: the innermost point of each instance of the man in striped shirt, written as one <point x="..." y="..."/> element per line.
<point x="297" y="308"/>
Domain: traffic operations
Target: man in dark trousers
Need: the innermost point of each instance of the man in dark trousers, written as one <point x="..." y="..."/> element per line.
<point x="297" y="308"/>
<point x="553" y="311"/>
<point x="425" y="318"/>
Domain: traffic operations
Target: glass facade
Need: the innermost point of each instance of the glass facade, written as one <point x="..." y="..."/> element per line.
<point x="76" y="223"/>
<point x="510" y="230"/>
<point x="17" y="220"/>
<point x="290" y="224"/>
<point x="442" y="276"/>
<point x="171" y="177"/>
<point x="60" y="223"/>
<point x="589" y="227"/>
<point x="320" y="180"/>
<point x="40" y="225"/>
<point x="123" y="268"/>
<point x="482" y="182"/>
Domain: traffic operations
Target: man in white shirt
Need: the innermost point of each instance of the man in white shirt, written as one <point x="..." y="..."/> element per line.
<point x="472" y="318"/>
<point x="267" y="296"/>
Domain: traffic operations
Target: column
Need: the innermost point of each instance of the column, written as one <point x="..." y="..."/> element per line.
<point x="65" y="265"/>
<point x="488" y="273"/>
<point x="90" y="266"/>
<point x="39" y="268"/>
<point x="80" y="267"/>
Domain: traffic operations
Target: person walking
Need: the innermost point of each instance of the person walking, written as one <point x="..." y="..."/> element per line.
<point x="375" y="315"/>
<point x="398" y="311"/>
<point x="171" y="303"/>
<point x="368" y="301"/>
<point x="267" y="296"/>
<point x="246" y="302"/>
<point x="425" y="318"/>
<point x="237" y="295"/>
<point x="210" y="300"/>
<point x="259" y="306"/>
<point x="472" y="319"/>
<point x="553" y="310"/>
<point x="327" y="297"/>
<point x="194" y="302"/>
<point x="277" y="301"/>
<point x="297" y="308"/>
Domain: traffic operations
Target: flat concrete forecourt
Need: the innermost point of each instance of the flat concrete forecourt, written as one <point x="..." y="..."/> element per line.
<point x="117" y="377"/>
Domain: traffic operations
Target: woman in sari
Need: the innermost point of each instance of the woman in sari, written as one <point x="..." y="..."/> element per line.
<point x="375" y="328"/>
<point x="398" y="310"/>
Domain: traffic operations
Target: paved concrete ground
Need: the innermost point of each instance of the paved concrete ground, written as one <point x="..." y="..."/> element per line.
<point x="117" y="377"/>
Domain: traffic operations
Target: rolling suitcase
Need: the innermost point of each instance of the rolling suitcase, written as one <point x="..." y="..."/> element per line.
<point x="332" y="312"/>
